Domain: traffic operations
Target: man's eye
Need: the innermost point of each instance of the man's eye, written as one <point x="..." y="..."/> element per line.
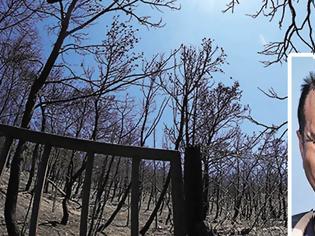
<point x="310" y="141"/>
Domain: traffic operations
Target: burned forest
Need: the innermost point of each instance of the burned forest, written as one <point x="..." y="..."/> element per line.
<point x="98" y="136"/>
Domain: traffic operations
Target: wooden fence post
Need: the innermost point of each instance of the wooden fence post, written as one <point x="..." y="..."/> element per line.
<point x="40" y="179"/>
<point x="193" y="192"/>
<point x="135" y="196"/>
<point x="178" y="197"/>
<point x="86" y="194"/>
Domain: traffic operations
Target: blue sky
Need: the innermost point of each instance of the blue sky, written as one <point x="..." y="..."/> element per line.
<point x="240" y="36"/>
<point x="303" y="197"/>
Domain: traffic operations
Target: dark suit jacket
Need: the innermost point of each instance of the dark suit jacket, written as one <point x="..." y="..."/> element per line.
<point x="303" y="222"/>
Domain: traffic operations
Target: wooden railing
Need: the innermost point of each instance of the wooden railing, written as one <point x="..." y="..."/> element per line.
<point x="92" y="148"/>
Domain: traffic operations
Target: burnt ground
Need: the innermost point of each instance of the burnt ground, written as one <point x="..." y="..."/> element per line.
<point x="49" y="219"/>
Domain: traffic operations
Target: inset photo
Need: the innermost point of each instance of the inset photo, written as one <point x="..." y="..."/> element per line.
<point x="302" y="142"/>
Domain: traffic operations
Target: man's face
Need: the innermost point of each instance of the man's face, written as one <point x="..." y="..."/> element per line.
<point x="307" y="139"/>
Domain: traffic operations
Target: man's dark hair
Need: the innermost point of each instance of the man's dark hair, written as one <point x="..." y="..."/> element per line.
<point x="307" y="86"/>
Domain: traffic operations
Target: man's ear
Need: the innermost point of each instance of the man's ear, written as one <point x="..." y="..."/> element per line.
<point x="301" y="142"/>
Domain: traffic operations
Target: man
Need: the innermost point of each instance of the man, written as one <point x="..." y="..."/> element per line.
<point x="304" y="223"/>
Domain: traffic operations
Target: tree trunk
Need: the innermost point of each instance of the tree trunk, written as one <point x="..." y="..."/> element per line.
<point x="119" y="206"/>
<point x="68" y="191"/>
<point x="12" y="192"/>
<point x="13" y="185"/>
<point x="32" y="171"/>
<point x="4" y="153"/>
<point x="157" y="206"/>
<point x="65" y="210"/>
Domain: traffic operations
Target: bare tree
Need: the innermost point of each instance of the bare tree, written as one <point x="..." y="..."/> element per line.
<point x="297" y="21"/>
<point x="17" y="15"/>
<point x="72" y="17"/>
<point x="192" y="68"/>
<point x="215" y="125"/>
